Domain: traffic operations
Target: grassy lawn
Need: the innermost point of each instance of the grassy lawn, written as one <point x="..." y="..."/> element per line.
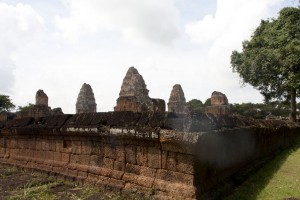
<point x="279" y="179"/>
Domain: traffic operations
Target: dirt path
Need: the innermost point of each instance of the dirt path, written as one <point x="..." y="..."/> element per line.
<point x="16" y="184"/>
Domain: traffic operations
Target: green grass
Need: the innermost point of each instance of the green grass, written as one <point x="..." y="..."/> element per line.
<point x="278" y="179"/>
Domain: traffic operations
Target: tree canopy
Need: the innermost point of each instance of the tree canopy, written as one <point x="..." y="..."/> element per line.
<point x="261" y="110"/>
<point x="25" y="108"/>
<point x="5" y="103"/>
<point x="270" y="60"/>
<point x="195" y="105"/>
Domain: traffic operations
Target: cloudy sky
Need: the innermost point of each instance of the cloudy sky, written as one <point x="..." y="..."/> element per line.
<point x="58" y="45"/>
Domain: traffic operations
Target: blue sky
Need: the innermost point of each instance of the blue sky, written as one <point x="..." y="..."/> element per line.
<point x="58" y="45"/>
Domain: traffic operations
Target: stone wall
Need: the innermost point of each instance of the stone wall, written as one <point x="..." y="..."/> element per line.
<point x="173" y="156"/>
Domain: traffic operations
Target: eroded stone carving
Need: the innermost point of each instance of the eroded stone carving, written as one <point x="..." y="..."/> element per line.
<point x="177" y="102"/>
<point x="86" y="101"/>
<point x="41" y="108"/>
<point x="41" y="98"/>
<point x="218" y="98"/>
<point x="134" y="95"/>
<point x="219" y="104"/>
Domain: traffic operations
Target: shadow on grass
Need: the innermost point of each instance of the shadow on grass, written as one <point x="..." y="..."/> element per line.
<point x="259" y="179"/>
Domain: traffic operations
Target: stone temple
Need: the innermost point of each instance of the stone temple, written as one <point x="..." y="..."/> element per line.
<point x="41" y="108"/>
<point x="177" y="102"/>
<point x="86" y="100"/>
<point x="41" y="98"/>
<point x="219" y="104"/>
<point x="134" y="95"/>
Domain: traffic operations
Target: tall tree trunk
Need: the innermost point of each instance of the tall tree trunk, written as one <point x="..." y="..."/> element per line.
<point x="293" y="105"/>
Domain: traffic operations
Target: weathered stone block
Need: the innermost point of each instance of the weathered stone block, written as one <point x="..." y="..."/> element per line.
<point x="48" y="155"/>
<point x="154" y="157"/>
<point x="120" y="166"/>
<point x="27" y="153"/>
<point x="45" y="145"/>
<point x="96" y="160"/>
<point x="82" y="168"/>
<point x="83" y="159"/>
<point x="185" y="163"/>
<point x="97" y="148"/>
<point x="67" y="146"/>
<point x="76" y="147"/>
<point x="52" y="145"/>
<point x="65" y="157"/>
<point x="142" y="155"/>
<point x="82" y="174"/>
<point x="57" y="170"/>
<point x="115" y="174"/>
<point x="130" y="151"/>
<point x="174" y="190"/>
<point x="109" y="151"/>
<point x="59" y="145"/>
<point x="108" y="163"/>
<point x="2" y="151"/>
<point x="135" y="169"/>
<point x="74" y="158"/>
<point x="178" y="177"/>
<point x="39" y="144"/>
<point x="14" y="152"/>
<point x="31" y="143"/>
<point x="146" y="171"/>
<point x="111" y="183"/>
<point x="11" y="143"/>
<point x="164" y="155"/>
<point x="86" y="147"/>
<point x="171" y="161"/>
<point x="72" y="173"/>
<point x="139" y="180"/>
<point x="120" y="153"/>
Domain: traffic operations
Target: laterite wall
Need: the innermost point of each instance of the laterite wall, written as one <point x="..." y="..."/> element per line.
<point x="171" y="156"/>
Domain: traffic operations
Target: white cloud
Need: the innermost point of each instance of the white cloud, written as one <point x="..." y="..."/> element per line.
<point x="153" y="21"/>
<point x="18" y="26"/>
<point x="224" y="31"/>
<point x="233" y="21"/>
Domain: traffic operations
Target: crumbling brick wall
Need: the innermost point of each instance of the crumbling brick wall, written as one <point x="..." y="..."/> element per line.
<point x="174" y="156"/>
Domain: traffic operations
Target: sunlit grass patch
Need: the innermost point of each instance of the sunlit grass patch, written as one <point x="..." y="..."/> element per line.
<point x="278" y="179"/>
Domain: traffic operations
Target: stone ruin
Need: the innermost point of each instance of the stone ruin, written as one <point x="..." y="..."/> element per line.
<point x="41" y="108"/>
<point x="218" y="98"/>
<point x="177" y="102"/>
<point x="219" y="104"/>
<point x="134" y="95"/>
<point x="86" y="100"/>
<point x="41" y="98"/>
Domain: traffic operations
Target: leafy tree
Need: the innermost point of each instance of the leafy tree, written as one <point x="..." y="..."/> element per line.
<point x="270" y="61"/>
<point x="6" y="103"/>
<point x="195" y="105"/>
<point x="207" y="102"/>
<point x="25" y="108"/>
<point x="260" y="110"/>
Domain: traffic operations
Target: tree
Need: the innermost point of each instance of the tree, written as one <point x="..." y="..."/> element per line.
<point x="270" y="60"/>
<point x="5" y="103"/>
<point x="260" y="111"/>
<point x="195" y="105"/>
<point x="25" y="108"/>
<point x="207" y="102"/>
